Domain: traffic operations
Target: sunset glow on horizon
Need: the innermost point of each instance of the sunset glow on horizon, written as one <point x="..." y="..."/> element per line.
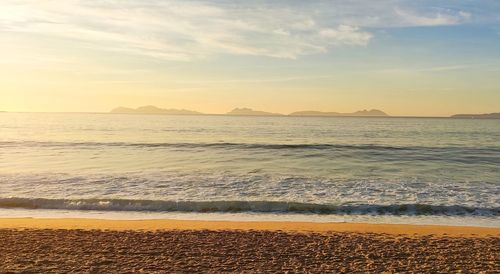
<point x="425" y="58"/>
<point x="262" y="136"/>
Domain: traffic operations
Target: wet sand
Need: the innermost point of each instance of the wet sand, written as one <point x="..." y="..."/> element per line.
<point x="101" y="224"/>
<point x="163" y="246"/>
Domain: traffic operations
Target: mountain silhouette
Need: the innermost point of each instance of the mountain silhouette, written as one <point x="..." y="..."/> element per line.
<point x="153" y="110"/>
<point x="251" y="112"/>
<point x="373" y="112"/>
<point x="478" y="116"/>
<point x="246" y="112"/>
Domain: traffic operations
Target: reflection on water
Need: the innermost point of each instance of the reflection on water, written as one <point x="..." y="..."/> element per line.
<point x="446" y="166"/>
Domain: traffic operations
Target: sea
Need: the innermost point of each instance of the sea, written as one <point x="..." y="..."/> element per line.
<point x="315" y="169"/>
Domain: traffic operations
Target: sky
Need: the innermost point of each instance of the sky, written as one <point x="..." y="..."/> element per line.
<point x="418" y="58"/>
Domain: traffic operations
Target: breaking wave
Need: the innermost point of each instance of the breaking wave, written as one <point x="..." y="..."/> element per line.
<point x="245" y="206"/>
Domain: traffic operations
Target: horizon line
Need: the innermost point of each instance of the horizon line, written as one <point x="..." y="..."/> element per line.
<point x="248" y="115"/>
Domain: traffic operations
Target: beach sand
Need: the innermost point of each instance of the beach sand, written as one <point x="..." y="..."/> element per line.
<point x="166" y="246"/>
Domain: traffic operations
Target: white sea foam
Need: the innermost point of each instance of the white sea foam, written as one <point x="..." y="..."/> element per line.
<point x="243" y="206"/>
<point x="265" y="165"/>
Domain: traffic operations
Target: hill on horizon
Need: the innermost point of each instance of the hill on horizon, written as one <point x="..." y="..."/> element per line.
<point x="373" y="112"/>
<point x="478" y="116"/>
<point x="245" y="112"/>
<point x="154" y="110"/>
<point x="251" y="112"/>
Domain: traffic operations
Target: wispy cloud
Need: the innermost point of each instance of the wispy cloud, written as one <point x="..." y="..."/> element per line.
<point x="436" y="68"/>
<point x="447" y="68"/>
<point x="440" y="18"/>
<point x="189" y="30"/>
<point x="178" y="30"/>
<point x="257" y="80"/>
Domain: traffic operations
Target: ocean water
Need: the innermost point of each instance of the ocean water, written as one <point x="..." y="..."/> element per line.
<point x="410" y="170"/>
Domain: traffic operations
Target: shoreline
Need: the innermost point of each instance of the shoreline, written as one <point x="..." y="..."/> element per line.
<point x="288" y="226"/>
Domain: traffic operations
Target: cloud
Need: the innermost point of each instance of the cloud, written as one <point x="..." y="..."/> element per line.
<point x="178" y="30"/>
<point x="444" y="68"/>
<point x="436" y="69"/>
<point x="257" y="80"/>
<point x="434" y="19"/>
<point x="347" y="35"/>
<point x="191" y="30"/>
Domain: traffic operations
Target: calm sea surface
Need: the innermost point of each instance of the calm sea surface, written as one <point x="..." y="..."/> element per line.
<point x="327" y="169"/>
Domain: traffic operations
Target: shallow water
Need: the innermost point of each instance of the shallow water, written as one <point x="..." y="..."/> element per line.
<point x="318" y="168"/>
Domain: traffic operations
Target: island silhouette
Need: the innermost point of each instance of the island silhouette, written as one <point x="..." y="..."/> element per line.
<point x="242" y="112"/>
<point x="373" y="112"/>
<point x="307" y="113"/>
<point x="251" y="112"/>
<point x="477" y="116"/>
<point x="154" y="110"/>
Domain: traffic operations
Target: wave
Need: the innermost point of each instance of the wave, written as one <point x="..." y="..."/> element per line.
<point x="489" y="149"/>
<point x="244" y="206"/>
<point x="465" y="155"/>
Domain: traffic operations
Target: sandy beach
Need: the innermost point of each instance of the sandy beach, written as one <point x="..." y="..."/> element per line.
<point x="166" y="246"/>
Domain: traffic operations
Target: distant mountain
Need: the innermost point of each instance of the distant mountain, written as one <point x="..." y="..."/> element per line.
<point x="315" y="113"/>
<point x="478" y="116"/>
<point x="373" y="112"/>
<point x="154" y="110"/>
<point x="251" y="112"/>
<point x="243" y="112"/>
